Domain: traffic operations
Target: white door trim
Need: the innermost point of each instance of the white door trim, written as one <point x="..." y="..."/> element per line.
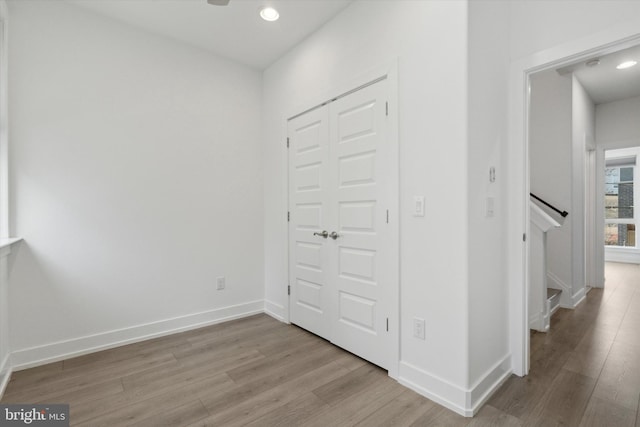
<point x="594" y="266"/>
<point x="599" y="43"/>
<point x="390" y="71"/>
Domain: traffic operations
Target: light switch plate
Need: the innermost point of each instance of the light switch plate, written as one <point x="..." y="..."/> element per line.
<point x="490" y="212"/>
<point x="418" y="205"/>
<point x="418" y="328"/>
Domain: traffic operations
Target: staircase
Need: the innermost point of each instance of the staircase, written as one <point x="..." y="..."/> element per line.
<point x="541" y="223"/>
<point x="553" y="300"/>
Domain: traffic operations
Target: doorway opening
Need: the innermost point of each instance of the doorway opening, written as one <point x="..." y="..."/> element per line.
<point x="578" y="170"/>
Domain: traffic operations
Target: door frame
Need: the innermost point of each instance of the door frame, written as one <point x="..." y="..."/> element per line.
<point x="612" y="39"/>
<point x="388" y="71"/>
<point x="594" y="266"/>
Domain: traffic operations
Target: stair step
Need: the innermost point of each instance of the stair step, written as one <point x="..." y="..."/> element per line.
<point x="553" y="292"/>
<point x="553" y="299"/>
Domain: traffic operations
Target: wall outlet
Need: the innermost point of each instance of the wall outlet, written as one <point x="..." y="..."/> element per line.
<point x="418" y="328"/>
<point x="220" y="281"/>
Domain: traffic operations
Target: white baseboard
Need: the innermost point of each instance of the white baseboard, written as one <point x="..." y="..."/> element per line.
<point x="5" y="374"/>
<point x="459" y="400"/>
<point x="624" y="255"/>
<point x="491" y="381"/>
<point x="440" y="391"/>
<point x="578" y="297"/>
<point x="537" y="322"/>
<point x="573" y="301"/>
<point x="275" y="310"/>
<point x="567" y="299"/>
<point x="48" y="353"/>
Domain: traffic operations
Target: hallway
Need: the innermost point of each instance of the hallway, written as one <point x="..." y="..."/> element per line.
<point x="586" y="370"/>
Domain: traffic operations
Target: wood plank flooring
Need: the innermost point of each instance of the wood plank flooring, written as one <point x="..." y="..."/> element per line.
<point x="586" y="370"/>
<point x="259" y="372"/>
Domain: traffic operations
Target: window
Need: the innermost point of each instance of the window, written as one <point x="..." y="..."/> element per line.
<point x="620" y="193"/>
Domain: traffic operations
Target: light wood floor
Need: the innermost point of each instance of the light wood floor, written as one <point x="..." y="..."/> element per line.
<point x="259" y="372"/>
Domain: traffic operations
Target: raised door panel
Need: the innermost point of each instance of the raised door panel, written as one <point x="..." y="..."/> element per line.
<point x="308" y="205"/>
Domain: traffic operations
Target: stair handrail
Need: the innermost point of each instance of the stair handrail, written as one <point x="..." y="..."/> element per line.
<point x="562" y="213"/>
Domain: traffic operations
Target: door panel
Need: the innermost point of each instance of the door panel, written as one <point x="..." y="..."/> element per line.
<point x="357" y="147"/>
<point x="308" y="203"/>
<point x="357" y="170"/>
<point x="358" y="312"/>
<point x="357" y="264"/>
<point x="357" y="216"/>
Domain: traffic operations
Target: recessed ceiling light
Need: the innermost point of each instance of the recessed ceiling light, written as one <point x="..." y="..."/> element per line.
<point x="269" y="14"/>
<point x="626" y="64"/>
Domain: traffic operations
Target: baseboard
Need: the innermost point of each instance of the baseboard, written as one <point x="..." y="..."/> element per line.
<point x="578" y="297"/>
<point x="567" y="300"/>
<point x="275" y="310"/>
<point x="489" y="383"/>
<point x="440" y="391"/>
<point x="623" y="255"/>
<point x="5" y="374"/>
<point x="461" y="401"/>
<point x="536" y="322"/>
<point x="40" y="355"/>
<point x="574" y="300"/>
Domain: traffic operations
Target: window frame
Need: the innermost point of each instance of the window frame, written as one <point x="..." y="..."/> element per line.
<point x="622" y="154"/>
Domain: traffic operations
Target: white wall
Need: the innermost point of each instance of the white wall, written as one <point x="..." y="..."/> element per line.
<point x="5" y="345"/>
<point x="4" y="120"/>
<point x="426" y="38"/>
<point x="583" y="123"/>
<point x="583" y="116"/>
<point x="618" y="123"/>
<point x="537" y="25"/>
<point x="550" y="157"/>
<point x="583" y="139"/>
<point x="488" y="293"/>
<point x="134" y="168"/>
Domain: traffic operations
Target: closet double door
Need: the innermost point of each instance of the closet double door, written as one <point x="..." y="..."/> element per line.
<point x="339" y="235"/>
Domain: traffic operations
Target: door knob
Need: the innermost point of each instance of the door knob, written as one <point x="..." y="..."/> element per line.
<point x="323" y="234"/>
<point x="334" y="235"/>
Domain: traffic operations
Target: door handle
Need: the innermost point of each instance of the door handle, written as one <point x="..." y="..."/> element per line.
<point x="323" y="234"/>
<point x="334" y="235"/>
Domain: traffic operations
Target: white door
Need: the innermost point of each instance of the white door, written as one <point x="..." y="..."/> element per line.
<point x="308" y="210"/>
<point x="339" y="169"/>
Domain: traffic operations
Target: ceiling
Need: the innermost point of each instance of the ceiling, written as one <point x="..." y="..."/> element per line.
<point x="604" y="82"/>
<point x="235" y="31"/>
